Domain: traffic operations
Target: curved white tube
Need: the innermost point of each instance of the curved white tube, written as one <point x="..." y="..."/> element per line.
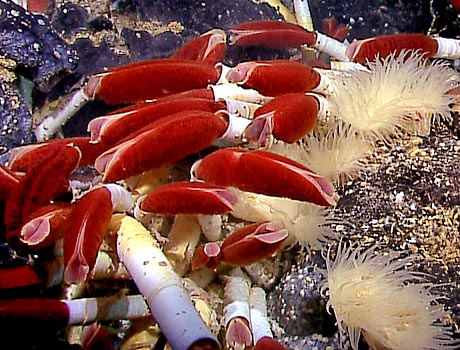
<point x="156" y="279"/>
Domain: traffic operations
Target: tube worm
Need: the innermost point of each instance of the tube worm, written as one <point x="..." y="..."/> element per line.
<point x="207" y="254"/>
<point x="96" y="337"/>
<point x="366" y="50"/>
<point x="264" y="172"/>
<point x="87" y="227"/>
<point x="189" y="198"/>
<point x="280" y="34"/>
<point x="157" y="281"/>
<point x="261" y="331"/>
<point x="74" y="312"/>
<point x="274" y="78"/>
<point x="140" y="81"/>
<point x="208" y="47"/>
<point x="8" y="180"/>
<point x="273" y="34"/>
<point x="170" y="140"/>
<point x="232" y="135"/>
<point x="302" y="14"/>
<point x="287" y="117"/>
<point x="183" y="237"/>
<point x="131" y="83"/>
<point x="236" y="310"/>
<point x="22" y="158"/>
<point x="253" y="243"/>
<point x="113" y="128"/>
<point x="45" y="181"/>
<point x="245" y="246"/>
<point x="45" y="225"/>
<point x="18" y="277"/>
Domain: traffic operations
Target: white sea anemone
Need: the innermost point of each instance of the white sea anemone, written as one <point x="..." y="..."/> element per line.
<point x="338" y="154"/>
<point x="373" y="294"/>
<point x="308" y="224"/>
<point x="399" y="93"/>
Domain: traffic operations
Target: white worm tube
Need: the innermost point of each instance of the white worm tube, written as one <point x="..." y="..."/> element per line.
<point x="259" y="319"/>
<point x="235" y="129"/>
<point x="242" y="108"/>
<point x="223" y="73"/>
<point x="325" y="85"/>
<point x="107" y="268"/>
<point x="302" y="14"/>
<point x="169" y="302"/>
<point x="331" y="46"/>
<point x="182" y="240"/>
<point x="232" y="91"/>
<point x="53" y="123"/>
<point x="447" y="48"/>
<point x="88" y="310"/>
<point x="236" y="309"/>
<point x="323" y="112"/>
<point x="121" y="198"/>
<point x="211" y="226"/>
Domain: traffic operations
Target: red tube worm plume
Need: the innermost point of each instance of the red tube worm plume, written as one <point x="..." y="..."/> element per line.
<point x="334" y="29"/>
<point x="456" y="5"/>
<point x="45" y="181"/>
<point x="9" y="180"/>
<point x="96" y="337"/>
<point x="399" y="93"/>
<point x="87" y="226"/>
<point x="253" y="243"/>
<point x="208" y="47"/>
<point x="18" y="277"/>
<point x="373" y="294"/>
<point x="37" y="6"/>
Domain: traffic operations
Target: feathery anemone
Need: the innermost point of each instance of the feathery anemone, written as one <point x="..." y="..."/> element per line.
<point x="399" y="93"/>
<point x="308" y="224"/>
<point x="338" y="154"/>
<point x="375" y="295"/>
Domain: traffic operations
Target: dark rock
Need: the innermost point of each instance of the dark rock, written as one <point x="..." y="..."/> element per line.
<point x="15" y="119"/>
<point x="41" y="55"/>
<point x="100" y="23"/>
<point x="95" y="59"/>
<point x="142" y="45"/>
<point x="9" y="258"/>
<point x="78" y="124"/>
<point x="70" y="19"/>
<point x="369" y="18"/>
<point x="206" y="14"/>
<point x="446" y="20"/>
<point x="296" y="303"/>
